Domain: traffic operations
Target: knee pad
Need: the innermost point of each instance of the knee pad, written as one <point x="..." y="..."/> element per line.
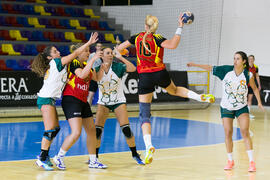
<point x="127" y="131"/>
<point x="99" y="130"/>
<point x="50" y="134"/>
<point x="145" y="114"/>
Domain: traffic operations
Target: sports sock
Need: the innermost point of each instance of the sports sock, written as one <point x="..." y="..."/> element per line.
<point x="133" y="151"/>
<point x="92" y="157"/>
<point x="193" y="95"/>
<point x="43" y="154"/>
<point x="97" y="151"/>
<point x="147" y="141"/>
<point x="230" y="156"/>
<point x="61" y="153"/>
<point x="250" y="155"/>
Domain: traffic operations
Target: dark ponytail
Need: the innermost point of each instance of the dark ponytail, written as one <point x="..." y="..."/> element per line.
<point x="244" y="57"/>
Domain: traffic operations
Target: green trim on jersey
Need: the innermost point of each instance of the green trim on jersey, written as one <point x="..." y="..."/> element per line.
<point x="58" y="63"/>
<point x="118" y="68"/>
<point x="221" y="71"/>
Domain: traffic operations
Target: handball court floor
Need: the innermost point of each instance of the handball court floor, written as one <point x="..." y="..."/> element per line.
<point x="189" y="145"/>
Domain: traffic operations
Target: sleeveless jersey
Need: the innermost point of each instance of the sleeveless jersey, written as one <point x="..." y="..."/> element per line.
<point x="76" y="86"/>
<point x="54" y="80"/>
<point x="110" y="86"/>
<point x="234" y="88"/>
<point x="148" y="62"/>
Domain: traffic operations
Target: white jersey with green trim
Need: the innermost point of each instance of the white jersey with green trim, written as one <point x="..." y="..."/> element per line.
<point x="234" y="87"/>
<point x="111" y="85"/>
<point x="54" y="80"/>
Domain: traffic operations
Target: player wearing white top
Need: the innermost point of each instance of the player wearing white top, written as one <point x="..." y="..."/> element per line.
<point x="112" y="98"/>
<point x="51" y="66"/>
<point x="235" y="81"/>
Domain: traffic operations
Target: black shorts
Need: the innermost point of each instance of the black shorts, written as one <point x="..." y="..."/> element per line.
<point x="148" y="81"/>
<point x="250" y="90"/>
<point x="74" y="107"/>
<point x="93" y="86"/>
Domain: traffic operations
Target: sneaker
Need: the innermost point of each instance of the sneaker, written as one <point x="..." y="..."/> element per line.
<point x="44" y="165"/>
<point x="208" y="98"/>
<point x="96" y="164"/>
<point x="252" y="167"/>
<point x="229" y="165"/>
<point x="59" y="162"/>
<point x="48" y="160"/>
<point x="149" y="155"/>
<point x="138" y="160"/>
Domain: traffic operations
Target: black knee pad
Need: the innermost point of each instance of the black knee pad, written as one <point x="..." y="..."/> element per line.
<point x="99" y="130"/>
<point x="127" y="131"/>
<point x="50" y="134"/>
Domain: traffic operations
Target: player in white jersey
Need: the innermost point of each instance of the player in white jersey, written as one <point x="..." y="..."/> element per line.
<point x="111" y="97"/>
<point x="50" y="65"/>
<point x="233" y="104"/>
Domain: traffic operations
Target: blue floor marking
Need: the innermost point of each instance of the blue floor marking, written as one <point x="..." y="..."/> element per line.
<point x="21" y="141"/>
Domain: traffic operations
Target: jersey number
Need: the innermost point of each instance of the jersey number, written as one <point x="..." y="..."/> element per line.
<point x="144" y="51"/>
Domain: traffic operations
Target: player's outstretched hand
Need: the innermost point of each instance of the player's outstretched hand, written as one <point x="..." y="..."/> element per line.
<point x="93" y="38"/>
<point x="190" y="64"/>
<point x="180" y="20"/>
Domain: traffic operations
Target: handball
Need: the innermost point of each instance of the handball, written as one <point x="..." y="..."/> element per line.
<point x="188" y="17"/>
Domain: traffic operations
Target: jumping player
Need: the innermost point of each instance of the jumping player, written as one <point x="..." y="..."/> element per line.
<point x="152" y="72"/>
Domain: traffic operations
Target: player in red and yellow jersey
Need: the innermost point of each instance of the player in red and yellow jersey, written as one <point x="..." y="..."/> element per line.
<point x="76" y="108"/>
<point x="255" y="71"/>
<point x="152" y="72"/>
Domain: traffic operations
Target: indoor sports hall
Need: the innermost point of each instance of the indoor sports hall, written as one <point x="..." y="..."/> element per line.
<point x="188" y="136"/>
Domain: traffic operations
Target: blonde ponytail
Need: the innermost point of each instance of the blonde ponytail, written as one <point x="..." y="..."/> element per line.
<point x="152" y="23"/>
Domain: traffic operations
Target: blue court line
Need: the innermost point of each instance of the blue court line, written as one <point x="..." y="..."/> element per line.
<point x="21" y="141"/>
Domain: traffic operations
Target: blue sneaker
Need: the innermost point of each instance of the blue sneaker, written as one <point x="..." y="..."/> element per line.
<point x="97" y="164"/>
<point x="48" y="160"/>
<point x="59" y="162"/>
<point x="138" y="160"/>
<point x="44" y="165"/>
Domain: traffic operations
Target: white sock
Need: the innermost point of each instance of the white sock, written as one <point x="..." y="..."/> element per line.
<point x="92" y="157"/>
<point x="61" y="153"/>
<point x="147" y="141"/>
<point x="193" y="95"/>
<point x="250" y="155"/>
<point x="230" y="156"/>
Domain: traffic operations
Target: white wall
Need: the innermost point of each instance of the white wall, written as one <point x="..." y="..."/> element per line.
<point x="218" y="31"/>
<point x="246" y="27"/>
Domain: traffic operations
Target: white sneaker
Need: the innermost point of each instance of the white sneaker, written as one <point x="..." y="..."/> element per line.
<point x="96" y="164"/>
<point x="148" y="158"/>
<point x="59" y="162"/>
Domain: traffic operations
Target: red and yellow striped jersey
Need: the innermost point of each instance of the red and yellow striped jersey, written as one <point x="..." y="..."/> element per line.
<point x="76" y="86"/>
<point x="148" y="62"/>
